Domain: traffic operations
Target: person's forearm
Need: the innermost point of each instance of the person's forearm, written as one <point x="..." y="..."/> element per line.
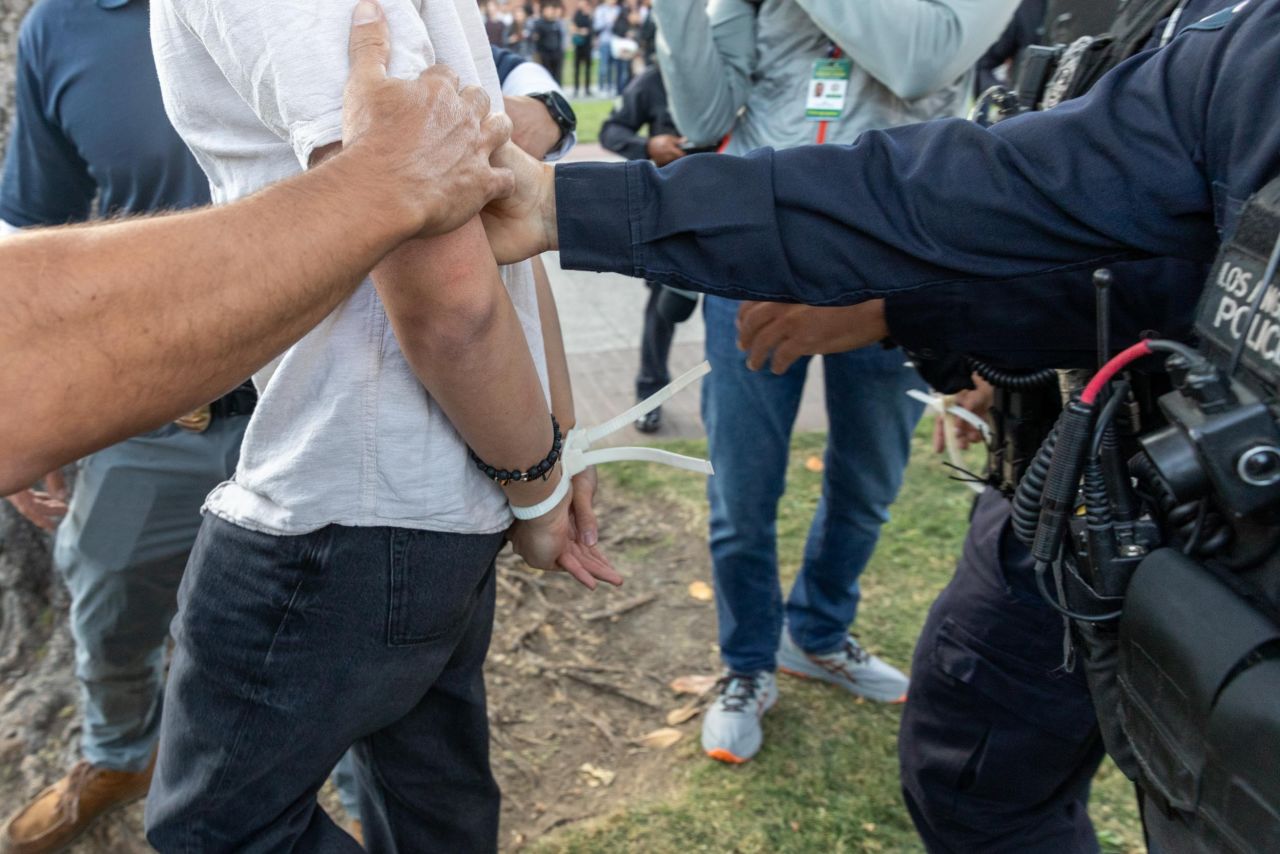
<point x="620" y="139"/>
<point x="461" y="335"/>
<point x="113" y="330"/>
<point x="707" y="70"/>
<point x="553" y="344"/>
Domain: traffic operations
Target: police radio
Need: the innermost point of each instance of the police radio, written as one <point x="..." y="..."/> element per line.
<point x="1085" y="39"/>
<point x="1162" y="548"/>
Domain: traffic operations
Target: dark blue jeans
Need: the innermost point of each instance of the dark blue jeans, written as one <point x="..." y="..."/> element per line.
<point x="998" y="744"/>
<point x="749" y="416"/>
<point x="290" y="649"/>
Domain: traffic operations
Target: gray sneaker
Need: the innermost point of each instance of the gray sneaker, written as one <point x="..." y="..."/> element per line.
<point x="731" y="727"/>
<point x="851" y="667"/>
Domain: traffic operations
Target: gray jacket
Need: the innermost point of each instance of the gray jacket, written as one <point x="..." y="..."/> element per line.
<point x="742" y="68"/>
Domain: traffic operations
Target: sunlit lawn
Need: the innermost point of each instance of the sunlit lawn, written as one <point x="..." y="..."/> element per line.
<point x="827" y="778"/>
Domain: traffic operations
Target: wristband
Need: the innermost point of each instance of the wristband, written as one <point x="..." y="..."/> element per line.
<point x="547" y="504"/>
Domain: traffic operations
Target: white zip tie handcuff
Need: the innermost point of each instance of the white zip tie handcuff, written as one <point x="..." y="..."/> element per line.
<point x="578" y="455"/>
<point x="943" y="405"/>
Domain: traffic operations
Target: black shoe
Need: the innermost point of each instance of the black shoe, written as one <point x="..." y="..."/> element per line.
<point x="650" y="422"/>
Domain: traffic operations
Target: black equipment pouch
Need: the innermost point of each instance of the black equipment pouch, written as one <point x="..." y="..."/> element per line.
<point x="1199" y="701"/>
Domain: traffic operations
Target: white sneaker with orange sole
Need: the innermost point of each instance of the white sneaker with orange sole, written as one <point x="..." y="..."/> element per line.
<point x="851" y="667"/>
<point x="731" y="730"/>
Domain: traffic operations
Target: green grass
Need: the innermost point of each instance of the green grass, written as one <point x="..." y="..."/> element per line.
<point x="591" y="115"/>
<point x="827" y="779"/>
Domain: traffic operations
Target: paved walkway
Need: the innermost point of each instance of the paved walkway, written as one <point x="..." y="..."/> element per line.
<point x="602" y="315"/>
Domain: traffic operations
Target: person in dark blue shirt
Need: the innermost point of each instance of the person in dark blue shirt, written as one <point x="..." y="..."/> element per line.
<point x="975" y="240"/>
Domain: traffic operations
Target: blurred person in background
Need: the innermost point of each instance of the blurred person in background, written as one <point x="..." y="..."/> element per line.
<point x="625" y="44"/>
<point x="547" y="37"/>
<point x="583" y="38"/>
<point x="495" y="28"/>
<point x="644" y="104"/>
<point x="751" y="70"/>
<point x="606" y="14"/>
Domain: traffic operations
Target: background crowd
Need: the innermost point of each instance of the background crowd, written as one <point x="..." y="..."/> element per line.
<point x="607" y="41"/>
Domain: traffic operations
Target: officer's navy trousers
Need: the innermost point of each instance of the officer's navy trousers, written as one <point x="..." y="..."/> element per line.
<point x="998" y="743"/>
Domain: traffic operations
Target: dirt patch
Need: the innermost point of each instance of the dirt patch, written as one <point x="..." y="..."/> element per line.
<point x="572" y="687"/>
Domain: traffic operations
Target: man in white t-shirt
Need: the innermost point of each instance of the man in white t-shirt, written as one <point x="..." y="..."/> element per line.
<point x="341" y="590"/>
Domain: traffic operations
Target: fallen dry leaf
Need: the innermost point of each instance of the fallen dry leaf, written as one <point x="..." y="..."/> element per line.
<point x="675" y="717"/>
<point x="701" y="591"/>
<point x="869" y="827"/>
<point x="661" y="739"/>
<point x="814" y="464"/>
<point x="696" y="685"/>
<point x="597" y="776"/>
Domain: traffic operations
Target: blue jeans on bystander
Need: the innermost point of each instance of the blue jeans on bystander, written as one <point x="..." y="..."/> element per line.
<point x="749" y="417"/>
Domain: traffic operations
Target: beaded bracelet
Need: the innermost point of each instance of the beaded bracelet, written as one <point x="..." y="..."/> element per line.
<point x="541" y="471"/>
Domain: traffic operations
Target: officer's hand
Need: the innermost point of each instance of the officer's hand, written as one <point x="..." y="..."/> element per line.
<point x="978" y="401"/>
<point x="422" y="145"/>
<point x="780" y="334"/>
<point x="523" y="224"/>
<point x="43" y="508"/>
<point x="664" y="148"/>
<point x="532" y="127"/>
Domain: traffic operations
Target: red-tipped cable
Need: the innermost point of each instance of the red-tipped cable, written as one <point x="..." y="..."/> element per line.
<point x="1108" y="371"/>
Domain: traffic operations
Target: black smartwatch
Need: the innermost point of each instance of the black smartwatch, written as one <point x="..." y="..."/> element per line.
<point x="561" y="113"/>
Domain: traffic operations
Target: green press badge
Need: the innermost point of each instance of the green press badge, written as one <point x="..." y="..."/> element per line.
<point x="828" y="89"/>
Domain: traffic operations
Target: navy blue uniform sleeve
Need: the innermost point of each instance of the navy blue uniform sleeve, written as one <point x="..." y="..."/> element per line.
<point x="1047" y="321"/>
<point x="1115" y="174"/>
<point x="620" y="132"/>
<point x="45" y="180"/>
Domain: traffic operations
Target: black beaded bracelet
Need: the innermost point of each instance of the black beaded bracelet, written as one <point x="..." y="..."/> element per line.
<point x="541" y="470"/>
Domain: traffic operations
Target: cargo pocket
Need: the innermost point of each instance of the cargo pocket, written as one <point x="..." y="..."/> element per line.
<point x="1027" y="729"/>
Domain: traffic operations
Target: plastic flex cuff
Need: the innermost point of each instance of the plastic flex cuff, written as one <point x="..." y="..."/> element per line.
<point x="943" y="405"/>
<point x="578" y="454"/>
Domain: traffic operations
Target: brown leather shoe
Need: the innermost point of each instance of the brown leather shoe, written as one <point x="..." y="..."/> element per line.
<point x="61" y="813"/>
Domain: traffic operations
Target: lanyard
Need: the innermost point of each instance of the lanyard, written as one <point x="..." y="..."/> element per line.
<point x="822" y="126"/>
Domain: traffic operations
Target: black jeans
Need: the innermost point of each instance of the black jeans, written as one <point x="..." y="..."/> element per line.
<point x="998" y="746"/>
<point x="582" y="67"/>
<point x="655" y="347"/>
<point x="290" y="649"/>
<point x="553" y="61"/>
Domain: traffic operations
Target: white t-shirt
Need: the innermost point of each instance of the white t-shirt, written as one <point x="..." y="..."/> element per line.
<point x="344" y="433"/>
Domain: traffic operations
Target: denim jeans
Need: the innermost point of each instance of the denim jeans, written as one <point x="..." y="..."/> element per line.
<point x="998" y="744"/>
<point x="749" y="416"/>
<point x="606" y="69"/>
<point x="290" y="649"/>
<point x="121" y="550"/>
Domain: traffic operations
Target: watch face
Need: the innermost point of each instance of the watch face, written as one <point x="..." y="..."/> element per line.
<point x="568" y="119"/>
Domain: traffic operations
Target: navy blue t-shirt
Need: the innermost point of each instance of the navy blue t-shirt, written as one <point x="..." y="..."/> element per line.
<point x="89" y="122"/>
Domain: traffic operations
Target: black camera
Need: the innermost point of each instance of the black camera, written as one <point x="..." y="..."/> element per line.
<point x="1162" y="547"/>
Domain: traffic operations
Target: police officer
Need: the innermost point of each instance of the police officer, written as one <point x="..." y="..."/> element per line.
<point x="1155" y="161"/>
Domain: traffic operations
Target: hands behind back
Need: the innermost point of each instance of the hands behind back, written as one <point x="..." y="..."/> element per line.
<point x="566" y="539"/>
